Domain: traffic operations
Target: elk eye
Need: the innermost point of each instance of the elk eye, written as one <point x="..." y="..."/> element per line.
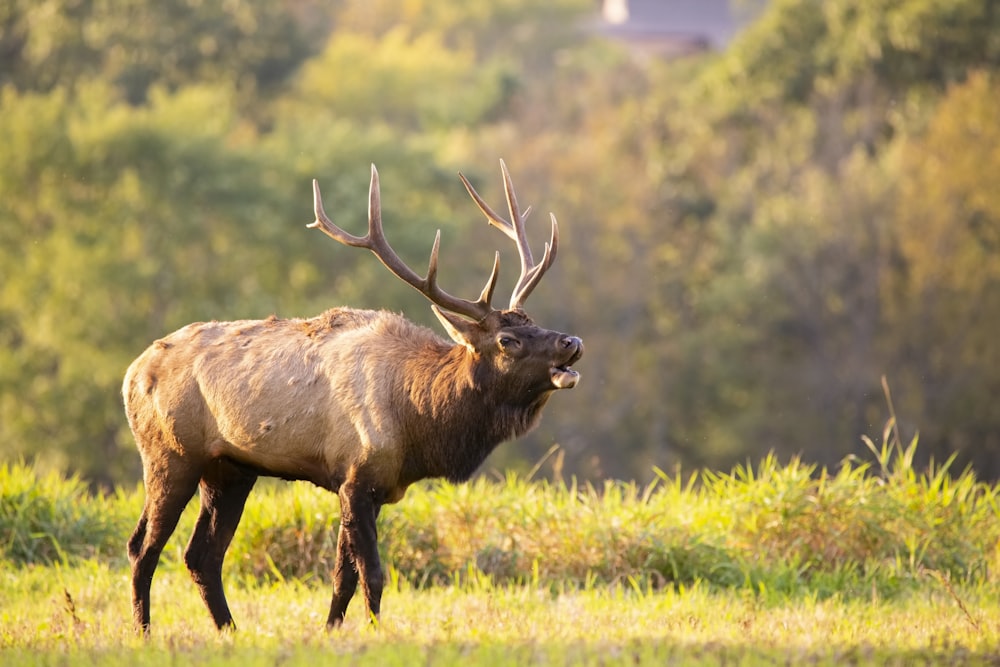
<point x="508" y="342"/>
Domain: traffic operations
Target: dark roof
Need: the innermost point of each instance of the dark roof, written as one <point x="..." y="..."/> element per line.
<point x="687" y="24"/>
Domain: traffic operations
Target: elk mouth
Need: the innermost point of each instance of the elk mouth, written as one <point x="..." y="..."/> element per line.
<point x="563" y="376"/>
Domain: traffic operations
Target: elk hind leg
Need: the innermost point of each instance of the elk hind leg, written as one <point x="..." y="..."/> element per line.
<point x="358" y="512"/>
<point x="224" y="490"/>
<point x="167" y="494"/>
<point x="345" y="578"/>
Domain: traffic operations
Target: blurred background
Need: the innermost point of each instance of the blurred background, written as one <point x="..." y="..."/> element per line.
<point x="765" y="207"/>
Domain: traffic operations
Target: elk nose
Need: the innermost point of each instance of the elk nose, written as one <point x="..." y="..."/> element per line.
<point x="571" y="343"/>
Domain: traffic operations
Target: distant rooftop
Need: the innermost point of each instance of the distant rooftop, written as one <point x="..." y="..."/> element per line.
<point x="669" y="28"/>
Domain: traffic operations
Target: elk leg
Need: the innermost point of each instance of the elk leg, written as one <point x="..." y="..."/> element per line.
<point x="345" y="579"/>
<point x="358" y="511"/>
<point x="166" y="499"/>
<point x="368" y="562"/>
<point x="224" y="490"/>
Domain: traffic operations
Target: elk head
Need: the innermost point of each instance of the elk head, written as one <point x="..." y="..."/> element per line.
<point x="503" y="338"/>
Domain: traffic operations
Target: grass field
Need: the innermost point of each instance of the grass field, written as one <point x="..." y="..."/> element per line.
<point x="873" y="563"/>
<point x="76" y="616"/>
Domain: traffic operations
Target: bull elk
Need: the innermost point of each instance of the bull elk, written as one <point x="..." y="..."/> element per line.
<point x="362" y="403"/>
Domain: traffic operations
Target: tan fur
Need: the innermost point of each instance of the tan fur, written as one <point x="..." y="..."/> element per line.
<point x="301" y="399"/>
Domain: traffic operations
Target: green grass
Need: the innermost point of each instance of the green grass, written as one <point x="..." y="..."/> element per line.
<point x="79" y="615"/>
<point x="872" y="563"/>
<point x="774" y="527"/>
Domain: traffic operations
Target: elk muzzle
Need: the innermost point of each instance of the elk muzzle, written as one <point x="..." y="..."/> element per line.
<point x="562" y="374"/>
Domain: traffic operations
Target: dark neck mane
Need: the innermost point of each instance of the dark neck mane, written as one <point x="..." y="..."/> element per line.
<point x="463" y="417"/>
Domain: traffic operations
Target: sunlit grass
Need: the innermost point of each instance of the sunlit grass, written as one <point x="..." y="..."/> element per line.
<point x="781" y="527"/>
<point x="873" y="562"/>
<point x="51" y="613"/>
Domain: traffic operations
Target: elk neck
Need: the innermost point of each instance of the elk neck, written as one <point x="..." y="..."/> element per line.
<point x="464" y="410"/>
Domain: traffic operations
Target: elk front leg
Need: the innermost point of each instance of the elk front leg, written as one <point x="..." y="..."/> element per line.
<point x="357" y="553"/>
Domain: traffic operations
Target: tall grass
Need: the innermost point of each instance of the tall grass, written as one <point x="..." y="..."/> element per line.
<point x="868" y="528"/>
<point x="48" y="518"/>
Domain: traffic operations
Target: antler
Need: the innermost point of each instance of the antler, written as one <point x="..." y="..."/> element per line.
<point x="376" y="242"/>
<point x="531" y="273"/>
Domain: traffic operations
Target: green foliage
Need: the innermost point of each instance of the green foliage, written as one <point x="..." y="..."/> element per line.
<point x="523" y="30"/>
<point x="397" y="79"/>
<point x="93" y="266"/>
<point x="774" y="530"/>
<point x="252" y="45"/>
<point x="840" y="47"/>
<point x="791" y="171"/>
<point x="948" y="230"/>
<point x="47" y="519"/>
<point x="750" y="239"/>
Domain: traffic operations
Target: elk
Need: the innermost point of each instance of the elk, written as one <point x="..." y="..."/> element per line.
<point x="360" y="402"/>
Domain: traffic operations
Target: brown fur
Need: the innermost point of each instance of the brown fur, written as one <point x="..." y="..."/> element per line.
<point x="362" y="403"/>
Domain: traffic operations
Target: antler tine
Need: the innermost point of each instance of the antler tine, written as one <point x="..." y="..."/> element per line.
<point x="528" y="282"/>
<point x="324" y="224"/>
<point x="492" y="216"/>
<point x="376" y="241"/>
<point x="523" y="249"/>
<point x="531" y="273"/>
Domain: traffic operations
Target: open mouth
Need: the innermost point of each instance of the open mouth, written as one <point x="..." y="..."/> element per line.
<point x="563" y="376"/>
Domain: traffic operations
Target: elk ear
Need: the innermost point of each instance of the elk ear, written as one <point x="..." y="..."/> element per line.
<point x="459" y="329"/>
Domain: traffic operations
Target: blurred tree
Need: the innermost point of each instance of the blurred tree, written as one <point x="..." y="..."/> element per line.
<point x="750" y="238"/>
<point x="118" y="224"/>
<point x="251" y="46"/>
<point x="948" y="310"/>
<point x="528" y="31"/>
<point x="791" y="144"/>
<point x="409" y="81"/>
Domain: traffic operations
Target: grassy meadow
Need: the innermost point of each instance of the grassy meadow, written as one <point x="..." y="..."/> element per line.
<point x="871" y="563"/>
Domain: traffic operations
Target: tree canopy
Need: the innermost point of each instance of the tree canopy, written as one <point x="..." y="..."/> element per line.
<point x="751" y="239"/>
